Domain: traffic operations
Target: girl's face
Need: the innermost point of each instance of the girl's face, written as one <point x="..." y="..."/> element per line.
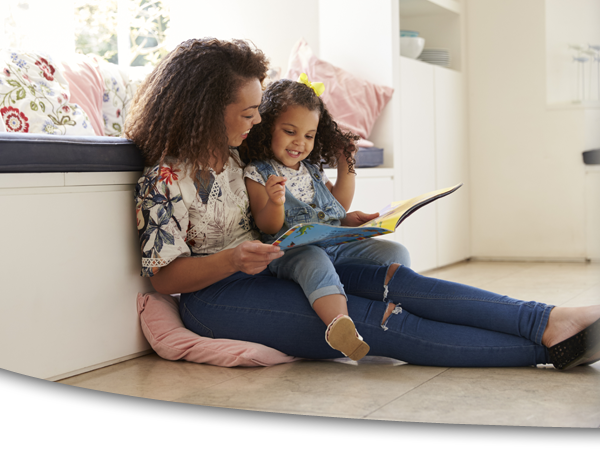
<point x="294" y="135"/>
<point x="242" y="115"/>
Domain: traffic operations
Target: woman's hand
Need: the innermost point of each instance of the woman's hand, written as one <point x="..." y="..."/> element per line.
<point x="356" y="218"/>
<point x="253" y="257"/>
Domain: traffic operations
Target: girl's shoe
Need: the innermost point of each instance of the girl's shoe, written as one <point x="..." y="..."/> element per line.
<point x="341" y="335"/>
<point x="581" y="349"/>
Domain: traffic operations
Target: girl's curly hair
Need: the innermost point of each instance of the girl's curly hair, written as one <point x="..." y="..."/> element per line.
<point x="179" y="110"/>
<point x="329" y="138"/>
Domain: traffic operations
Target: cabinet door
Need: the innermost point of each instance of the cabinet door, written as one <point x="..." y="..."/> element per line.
<point x="453" y="219"/>
<point x="417" y="160"/>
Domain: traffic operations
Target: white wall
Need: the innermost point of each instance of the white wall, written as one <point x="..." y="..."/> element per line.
<point x="273" y="25"/>
<point x="527" y="173"/>
<point x="570" y="22"/>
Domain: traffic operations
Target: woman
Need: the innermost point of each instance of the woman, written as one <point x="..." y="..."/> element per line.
<point x="197" y="239"/>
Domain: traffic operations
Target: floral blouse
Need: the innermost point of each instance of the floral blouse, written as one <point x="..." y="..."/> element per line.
<point x="176" y="218"/>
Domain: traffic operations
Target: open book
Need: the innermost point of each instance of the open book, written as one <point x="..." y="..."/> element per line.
<point x="389" y="219"/>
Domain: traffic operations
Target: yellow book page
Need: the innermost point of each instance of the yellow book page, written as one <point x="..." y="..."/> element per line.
<point x="389" y="216"/>
<point x="386" y="221"/>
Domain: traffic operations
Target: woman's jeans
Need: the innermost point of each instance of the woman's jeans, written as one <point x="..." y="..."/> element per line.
<point x="435" y="323"/>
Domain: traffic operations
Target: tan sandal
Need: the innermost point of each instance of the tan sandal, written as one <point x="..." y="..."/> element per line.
<point x="341" y="334"/>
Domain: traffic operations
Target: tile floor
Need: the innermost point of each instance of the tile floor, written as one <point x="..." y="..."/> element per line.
<point x="384" y="389"/>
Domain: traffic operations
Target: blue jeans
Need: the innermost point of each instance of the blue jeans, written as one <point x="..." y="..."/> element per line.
<point x="313" y="268"/>
<point x="440" y="323"/>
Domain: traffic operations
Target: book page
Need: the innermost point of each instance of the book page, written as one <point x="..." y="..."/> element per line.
<point x="392" y="215"/>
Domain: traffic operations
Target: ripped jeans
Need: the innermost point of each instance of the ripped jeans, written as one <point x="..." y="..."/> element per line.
<point x="441" y="323"/>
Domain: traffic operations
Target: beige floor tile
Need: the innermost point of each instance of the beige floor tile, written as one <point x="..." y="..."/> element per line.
<point x="549" y="295"/>
<point x="509" y="396"/>
<point x="588" y="297"/>
<point x="316" y="388"/>
<point x="479" y="274"/>
<point x="556" y="275"/>
<point x="155" y="378"/>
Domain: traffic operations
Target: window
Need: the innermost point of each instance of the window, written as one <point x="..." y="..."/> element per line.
<point x="127" y="32"/>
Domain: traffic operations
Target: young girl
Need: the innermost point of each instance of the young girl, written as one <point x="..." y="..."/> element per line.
<point x="286" y="186"/>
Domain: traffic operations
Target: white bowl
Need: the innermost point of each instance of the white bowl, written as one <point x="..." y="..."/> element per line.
<point x="411" y="47"/>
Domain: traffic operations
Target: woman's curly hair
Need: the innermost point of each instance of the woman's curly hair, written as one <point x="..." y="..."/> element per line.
<point x="277" y="98"/>
<point x="179" y="110"/>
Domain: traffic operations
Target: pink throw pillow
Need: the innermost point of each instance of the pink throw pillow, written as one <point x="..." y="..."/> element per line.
<point x="354" y="103"/>
<point x="162" y="326"/>
<point x="87" y="87"/>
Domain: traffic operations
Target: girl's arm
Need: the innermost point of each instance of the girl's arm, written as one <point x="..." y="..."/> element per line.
<point x="343" y="190"/>
<point x="266" y="203"/>
<point x="189" y="274"/>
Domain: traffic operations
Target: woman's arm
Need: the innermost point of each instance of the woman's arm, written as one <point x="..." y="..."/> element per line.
<point x="189" y="274"/>
<point x="266" y="203"/>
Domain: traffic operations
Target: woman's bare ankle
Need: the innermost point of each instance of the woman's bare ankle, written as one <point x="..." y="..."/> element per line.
<point x="563" y="323"/>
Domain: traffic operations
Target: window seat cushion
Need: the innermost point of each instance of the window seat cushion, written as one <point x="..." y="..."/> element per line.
<point x="23" y="152"/>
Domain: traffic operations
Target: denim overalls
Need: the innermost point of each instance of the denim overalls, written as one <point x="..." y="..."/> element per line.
<point x="310" y="266"/>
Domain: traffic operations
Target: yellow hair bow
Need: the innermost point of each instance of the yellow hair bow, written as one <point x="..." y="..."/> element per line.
<point x="318" y="87"/>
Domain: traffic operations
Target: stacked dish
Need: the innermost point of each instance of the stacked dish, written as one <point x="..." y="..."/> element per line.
<point x="439" y="57"/>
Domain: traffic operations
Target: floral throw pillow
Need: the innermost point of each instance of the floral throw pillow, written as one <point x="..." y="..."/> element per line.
<point x="34" y="97"/>
<point x="115" y="98"/>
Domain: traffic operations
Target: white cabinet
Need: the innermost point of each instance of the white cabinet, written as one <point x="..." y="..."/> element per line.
<point x="434" y="155"/>
<point x="68" y="300"/>
<point x="417" y="160"/>
<point x="451" y="158"/>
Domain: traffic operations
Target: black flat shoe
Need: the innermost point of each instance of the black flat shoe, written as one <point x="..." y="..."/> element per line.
<point x="581" y="349"/>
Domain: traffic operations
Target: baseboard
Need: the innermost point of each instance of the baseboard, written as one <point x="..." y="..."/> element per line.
<point x="99" y="365"/>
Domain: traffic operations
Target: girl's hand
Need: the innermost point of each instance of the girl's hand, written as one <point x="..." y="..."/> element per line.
<point x="253" y="257"/>
<point x="275" y="187"/>
<point x="354" y="219"/>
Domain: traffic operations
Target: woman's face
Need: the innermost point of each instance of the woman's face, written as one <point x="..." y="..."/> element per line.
<point x="242" y="115"/>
